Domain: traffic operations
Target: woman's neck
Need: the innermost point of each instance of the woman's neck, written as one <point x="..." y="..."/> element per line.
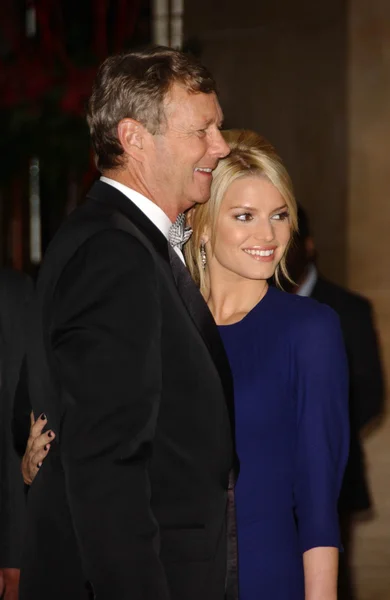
<point x="231" y="299"/>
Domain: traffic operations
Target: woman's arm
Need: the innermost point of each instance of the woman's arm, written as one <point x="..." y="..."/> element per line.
<point x="322" y="447"/>
<point x="320" y="568"/>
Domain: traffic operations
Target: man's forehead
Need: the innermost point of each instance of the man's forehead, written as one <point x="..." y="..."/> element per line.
<point x="180" y="102"/>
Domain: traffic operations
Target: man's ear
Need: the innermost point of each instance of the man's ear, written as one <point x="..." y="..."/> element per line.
<point x="131" y="137"/>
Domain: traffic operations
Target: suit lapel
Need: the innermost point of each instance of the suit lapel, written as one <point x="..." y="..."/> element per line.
<point x="106" y="194"/>
<point x="191" y="296"/>
<point x="205" y="323"/>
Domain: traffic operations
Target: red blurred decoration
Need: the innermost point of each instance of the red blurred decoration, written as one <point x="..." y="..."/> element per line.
<point x="77" y="90"/>
<point x="37" y="67"/>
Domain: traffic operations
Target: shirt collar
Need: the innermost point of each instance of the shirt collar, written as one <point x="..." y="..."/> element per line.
<point x="149" y="208"/>
<point x="307" y="287"/>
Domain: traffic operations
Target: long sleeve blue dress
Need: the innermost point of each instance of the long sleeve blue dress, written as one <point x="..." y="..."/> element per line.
<point x="291" y="401"/>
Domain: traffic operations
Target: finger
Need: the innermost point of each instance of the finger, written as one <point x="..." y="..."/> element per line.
<point x="36" y="431"/>
<point x="38" y="426"/>
<point x="40" y="441"/>
<point x="36" y="459"/>
<point x="27" y="470"/>
<point x="30" y="437"/>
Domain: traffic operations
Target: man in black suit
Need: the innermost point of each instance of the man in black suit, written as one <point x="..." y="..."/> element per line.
<point x="15" y="291"/>
<point x="125" y="361"/>
<point x="366" y="378"/>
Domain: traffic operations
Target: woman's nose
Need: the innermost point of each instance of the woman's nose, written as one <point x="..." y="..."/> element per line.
<point x="265" y="231"/>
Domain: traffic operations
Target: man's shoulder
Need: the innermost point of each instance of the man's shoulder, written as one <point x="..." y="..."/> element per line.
<point x="93" y="224"/>
<point x="91" y="242"/>
<point x="87" y="216"/>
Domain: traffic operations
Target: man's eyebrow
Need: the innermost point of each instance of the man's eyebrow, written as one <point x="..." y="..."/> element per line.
<point x="211" y="121"/>
<point x="208" y="122"/>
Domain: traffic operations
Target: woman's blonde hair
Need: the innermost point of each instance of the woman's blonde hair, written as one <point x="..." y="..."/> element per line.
<point x="251" y="155"/>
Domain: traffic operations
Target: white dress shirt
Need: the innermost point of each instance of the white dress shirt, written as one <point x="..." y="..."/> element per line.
<point x="153" y="212"/>
<point x="307" y="287"/>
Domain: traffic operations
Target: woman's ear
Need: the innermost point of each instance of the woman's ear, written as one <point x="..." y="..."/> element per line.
<point x="131" y="137"/>
<point x="205" y="237"/>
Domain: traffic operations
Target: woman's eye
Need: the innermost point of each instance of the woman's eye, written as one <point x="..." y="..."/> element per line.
<point x="201" y="132"/>
<point x="282" y="216"/>
<point x="244" y="217"/>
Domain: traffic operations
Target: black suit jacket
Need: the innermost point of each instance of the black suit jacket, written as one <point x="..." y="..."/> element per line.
<point x="15" y="291"/>
<point x="131" y="501"/>
<point x="366" y="382"/>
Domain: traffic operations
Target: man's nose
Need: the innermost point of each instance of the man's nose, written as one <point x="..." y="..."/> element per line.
<point x="219" y="147"/>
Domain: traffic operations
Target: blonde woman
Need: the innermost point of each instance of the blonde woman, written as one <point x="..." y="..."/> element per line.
<point x="290" y="375"/>
<point x="289" y="369"/>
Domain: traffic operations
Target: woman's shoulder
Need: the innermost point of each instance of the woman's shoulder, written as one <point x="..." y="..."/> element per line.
<point x="301" y="310"/>
<point x="311" y="328"/>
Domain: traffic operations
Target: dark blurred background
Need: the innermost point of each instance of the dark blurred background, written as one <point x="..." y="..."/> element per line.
<point x="49" y="51"/>
<point x="313" y="77"/>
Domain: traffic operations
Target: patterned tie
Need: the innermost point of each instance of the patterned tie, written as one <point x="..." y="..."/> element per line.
<point x="178" y="233"/>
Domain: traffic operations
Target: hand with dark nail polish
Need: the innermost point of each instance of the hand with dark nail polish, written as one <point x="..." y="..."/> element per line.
<point x="38" y="448"/>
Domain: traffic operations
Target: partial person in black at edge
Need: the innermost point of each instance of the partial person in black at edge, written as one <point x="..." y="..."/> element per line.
<point x="15" y="292"/>
<point x="366" y="380"/>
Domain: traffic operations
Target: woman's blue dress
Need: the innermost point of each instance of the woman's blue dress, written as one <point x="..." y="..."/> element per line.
<point x="291" y="401"/>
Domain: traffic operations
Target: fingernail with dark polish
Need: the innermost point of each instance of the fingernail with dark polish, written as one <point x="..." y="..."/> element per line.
<point x="39" y="465"/>
<point x="43" y="417"/>
<point x="50" y="434"/>
<point x="46" y="447"/>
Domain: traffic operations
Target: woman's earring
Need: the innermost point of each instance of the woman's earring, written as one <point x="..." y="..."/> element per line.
<point x="203" y="256"/>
